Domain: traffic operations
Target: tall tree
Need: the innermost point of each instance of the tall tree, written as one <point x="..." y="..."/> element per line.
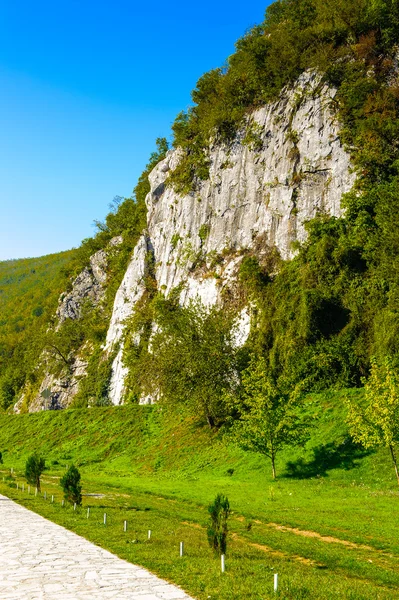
<point x="270" y="414"/>
<point x="375" y="422"/>
<point x="192" y="358"/>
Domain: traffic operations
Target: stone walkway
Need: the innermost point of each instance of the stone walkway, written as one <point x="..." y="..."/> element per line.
<point x="40" y="560"/>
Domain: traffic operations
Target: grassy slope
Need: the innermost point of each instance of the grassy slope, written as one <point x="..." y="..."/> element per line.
<point x="161" y="473"/>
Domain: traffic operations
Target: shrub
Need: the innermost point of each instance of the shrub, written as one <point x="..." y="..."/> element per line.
<point x="70" y="484"/>
<point x="35" y="465"/>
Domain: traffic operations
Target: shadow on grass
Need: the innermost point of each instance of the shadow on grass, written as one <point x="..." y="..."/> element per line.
<point x="335" y="455"/>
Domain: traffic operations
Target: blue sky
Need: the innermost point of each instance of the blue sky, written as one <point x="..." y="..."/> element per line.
<point x="86" y="88"/>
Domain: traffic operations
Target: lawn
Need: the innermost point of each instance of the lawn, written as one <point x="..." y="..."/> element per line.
<point x="327" y="526"/>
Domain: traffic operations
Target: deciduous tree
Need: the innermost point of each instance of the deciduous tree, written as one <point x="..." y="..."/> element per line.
<point x="375" y="422"/>
<point x="270" y="414"/>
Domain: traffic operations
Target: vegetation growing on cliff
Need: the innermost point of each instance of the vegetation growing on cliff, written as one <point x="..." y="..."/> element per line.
<point x="353" y="44"/>
<point x="322" y="316"/>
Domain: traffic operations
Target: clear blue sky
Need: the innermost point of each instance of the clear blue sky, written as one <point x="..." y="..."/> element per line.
<point x="86" y="88"/>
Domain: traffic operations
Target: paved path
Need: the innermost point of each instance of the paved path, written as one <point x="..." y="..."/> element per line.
<point x="40" y="560"/>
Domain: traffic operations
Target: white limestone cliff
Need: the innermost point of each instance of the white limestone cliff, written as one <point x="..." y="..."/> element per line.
<point x="255" y="197"/>
<point x="284" y="168"/>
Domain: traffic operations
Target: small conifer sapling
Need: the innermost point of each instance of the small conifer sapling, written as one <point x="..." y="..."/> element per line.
<point x="71" y="486"/>
<point x="219" y="512"/>
<point x="34" y="468"/>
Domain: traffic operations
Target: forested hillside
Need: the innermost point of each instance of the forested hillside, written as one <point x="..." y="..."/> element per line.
<point x="29" y="291"/>
<point x="316" y="319"/>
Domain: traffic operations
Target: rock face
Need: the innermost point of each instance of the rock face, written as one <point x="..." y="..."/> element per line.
<point x="88" y="285"/>
<point x="258" y="195"/>
<point x="283" y="169"/>
<point x="63" y="388"/>
<point x="129" y="293"/>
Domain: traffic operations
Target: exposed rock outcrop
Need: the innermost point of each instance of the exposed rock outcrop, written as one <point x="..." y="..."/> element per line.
<point x="284" y="168"/>
<point x="293" y="168"/>
<point x="62" y="389"/>
<point x="90" y="285"/>
<point x="129" y="293"/>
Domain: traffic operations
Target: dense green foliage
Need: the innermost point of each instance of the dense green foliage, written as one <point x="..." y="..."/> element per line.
<point x="352" y="43"/>
<point x="375" y="422"/>
<point x="270" y="415"/>
<point x="192" y="359"/>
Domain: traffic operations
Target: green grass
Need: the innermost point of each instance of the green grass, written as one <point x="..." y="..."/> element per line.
<point x="160" y="472"/>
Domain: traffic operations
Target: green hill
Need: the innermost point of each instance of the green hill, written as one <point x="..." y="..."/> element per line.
<point x="29" y="292"/>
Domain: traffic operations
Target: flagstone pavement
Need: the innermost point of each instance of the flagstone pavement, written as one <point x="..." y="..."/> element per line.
<point x="40" y="560"/>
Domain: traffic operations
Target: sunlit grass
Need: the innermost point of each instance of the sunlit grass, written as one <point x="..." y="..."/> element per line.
<point x="160" y="473"/>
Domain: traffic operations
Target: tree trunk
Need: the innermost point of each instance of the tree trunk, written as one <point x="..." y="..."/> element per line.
<point x="211" y="421"/>
<point x="273" y="459"/>
<point x="62" y="356"/>
<point x="394" y="461"/>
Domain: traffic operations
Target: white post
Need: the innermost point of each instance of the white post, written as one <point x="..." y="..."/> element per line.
<point x="74" y="506"/>
<point x="12" y="470"/>
<point x="149" y="534"/>
<point x="105" y="518"/>
<point x="124" y="526"/>
<point x="88" y="512"/>
<point x="17" y="485"/>
<point x="181" y="548"/>
<point x="275" y="582"/>
<point x="62" y="502"/>
<point x="35" y="491"/>
<point x="223" y="563"/>
<point x="52" y="499"/>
